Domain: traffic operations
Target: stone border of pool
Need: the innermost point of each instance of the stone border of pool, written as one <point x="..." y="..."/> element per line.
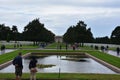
<point x="115" y="69"/>
<point x="10" y="62"/>
<point x="58" y="53"/>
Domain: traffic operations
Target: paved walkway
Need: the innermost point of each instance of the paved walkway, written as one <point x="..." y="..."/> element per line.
<point x="111" y="52"/>
<point x="6" y="51"/>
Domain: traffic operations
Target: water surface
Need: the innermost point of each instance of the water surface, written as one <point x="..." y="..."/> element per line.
<point x="65" y="66"/>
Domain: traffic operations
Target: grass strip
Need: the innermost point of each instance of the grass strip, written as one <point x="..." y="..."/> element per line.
<point x="9" y="56"/>
<point x="63" y="76"/>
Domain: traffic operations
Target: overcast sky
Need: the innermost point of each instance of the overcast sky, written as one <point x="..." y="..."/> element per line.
<point x="102" y="16"/>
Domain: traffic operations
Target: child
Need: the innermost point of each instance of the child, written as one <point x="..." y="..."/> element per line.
<point x="32" y="67"/>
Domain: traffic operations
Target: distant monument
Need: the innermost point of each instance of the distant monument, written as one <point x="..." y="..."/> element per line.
<point x="58" y="39"/>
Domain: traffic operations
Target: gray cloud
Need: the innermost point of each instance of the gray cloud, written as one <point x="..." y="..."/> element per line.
<point x="58" y="15"/>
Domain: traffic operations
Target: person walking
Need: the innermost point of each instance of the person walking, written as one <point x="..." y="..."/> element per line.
<point x="118" y="50"/>
<point x="17" y="62"/>
<point x="2" y="49"/>
<point x="32" y="67"/>
<point x="74" y="47"/>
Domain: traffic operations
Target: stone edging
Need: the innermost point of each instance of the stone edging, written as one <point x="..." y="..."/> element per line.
<point x="10" y="62"/>
<point x="115" y="69"/>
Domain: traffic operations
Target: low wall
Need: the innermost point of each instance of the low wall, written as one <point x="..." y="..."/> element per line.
<point x="58" y="53"/>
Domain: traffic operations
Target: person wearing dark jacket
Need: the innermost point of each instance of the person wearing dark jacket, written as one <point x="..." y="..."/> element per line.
<point x="2" y="49"/>
<point x="118" y="50"/>
<point x="17" y="62"/>
<point x="32" y="67"/>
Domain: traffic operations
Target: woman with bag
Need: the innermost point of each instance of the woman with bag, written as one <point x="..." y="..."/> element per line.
<point x="32" y="67"/>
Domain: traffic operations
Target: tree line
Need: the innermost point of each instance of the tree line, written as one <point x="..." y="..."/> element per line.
<point x="81" y="34"/>
<point x="113" y="39"/>
<point x="78" y="33"/>
<point x="36" y="32"/>
<point x="33" y="31"/>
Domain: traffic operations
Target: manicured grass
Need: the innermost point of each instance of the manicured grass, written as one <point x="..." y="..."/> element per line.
<point x="63" y="76"/>
<point x="55" y="45"/>
<point x="9" y="56"/>
<point x="86" y="48"/>
<point x="52" y="46"/>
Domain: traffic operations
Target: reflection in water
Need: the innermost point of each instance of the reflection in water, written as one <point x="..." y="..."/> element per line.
<point x="66" y="66"/>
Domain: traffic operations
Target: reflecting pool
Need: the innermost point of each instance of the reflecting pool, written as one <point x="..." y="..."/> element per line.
<point x="85" y="65"/>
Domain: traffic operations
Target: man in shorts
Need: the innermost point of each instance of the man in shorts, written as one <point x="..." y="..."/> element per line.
<point x="17" y="62"/>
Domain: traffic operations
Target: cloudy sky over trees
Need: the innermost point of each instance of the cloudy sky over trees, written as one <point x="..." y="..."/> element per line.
<point x="58" y="15"/>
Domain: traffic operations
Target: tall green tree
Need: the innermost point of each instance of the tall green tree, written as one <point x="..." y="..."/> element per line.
<point x="14" y="32"/>
<point x="105" y="39"/>
<point x="36" y="32"/>
<point x="115" y="35"/>
<point x="4" y="32"/>
<point x="78" y="33"/>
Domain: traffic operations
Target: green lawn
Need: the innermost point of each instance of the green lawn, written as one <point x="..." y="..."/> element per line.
<point x="55" y="45"/>
<point x="63" y="76"/>
<point x="9" y="56"/>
